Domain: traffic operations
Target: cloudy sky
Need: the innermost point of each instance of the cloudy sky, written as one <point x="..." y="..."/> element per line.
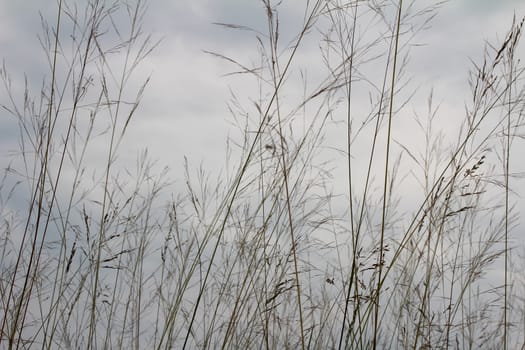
<point x="184" y="110"/>
<point x="188" y="93"/>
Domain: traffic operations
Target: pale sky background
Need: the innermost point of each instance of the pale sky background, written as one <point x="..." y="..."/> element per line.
<point x="184" y="110"/>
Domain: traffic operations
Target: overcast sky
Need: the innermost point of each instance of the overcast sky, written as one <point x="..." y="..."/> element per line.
<point x="184" y="110"/>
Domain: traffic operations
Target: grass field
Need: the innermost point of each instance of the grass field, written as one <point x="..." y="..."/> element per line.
<point x="341" y="218"/>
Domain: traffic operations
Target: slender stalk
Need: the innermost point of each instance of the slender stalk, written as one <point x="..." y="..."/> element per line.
<point x="244" y="167"/>
<point x="386" y="180"/>
<point x="41" y="190"/>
